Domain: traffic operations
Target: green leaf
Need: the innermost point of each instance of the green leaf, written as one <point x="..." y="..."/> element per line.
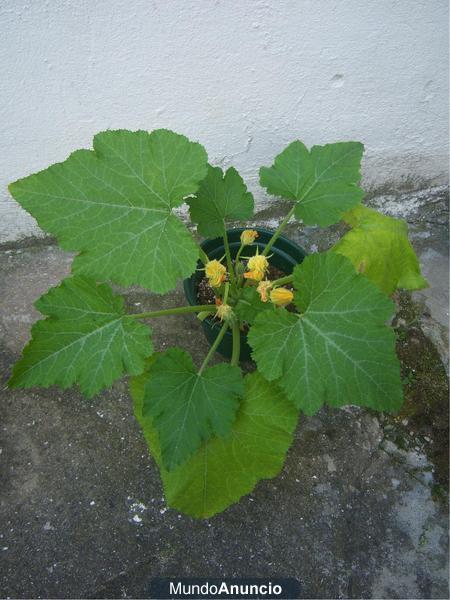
<point x="86" y="339"/>
<point x="250" y="305"/>
<point x="188" y="408"/>
<point x="114" y="205"/>
<point x="225" y="469"/>
<point x="218" y="198"/>
<point x="323" y="182"/>
<point x="378" y="246"/>
<point x="338" y="350"/>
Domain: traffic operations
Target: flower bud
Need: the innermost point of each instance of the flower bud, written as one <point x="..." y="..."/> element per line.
<point x="257" y="275"/>
<point x="224" y="312"/>
<point x="248" y="236"/>
<point x="263" y="288"/>
<point x="281" y="296"/>
<point x="215" y="272"/>
<point x="257" y="266"/>
<point x="258" y="263"/>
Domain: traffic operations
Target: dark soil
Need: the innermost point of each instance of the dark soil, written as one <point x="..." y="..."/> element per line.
<point x="423" y="421"/>
<point x="205" y="293"/>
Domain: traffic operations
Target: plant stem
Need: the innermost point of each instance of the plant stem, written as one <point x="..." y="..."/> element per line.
<point x="202" y="255"/>
<point x="227" y="289"/>
<point x="236" y="266"/>
<point x="213" y="347"/>
<point x="236" y="344"/>
<point x="228" y="255"/>
<point x="173" y="311"/>
<point x="277" y="233"/>
<point x="283" y="280"/>
<point x="238" y="255"/>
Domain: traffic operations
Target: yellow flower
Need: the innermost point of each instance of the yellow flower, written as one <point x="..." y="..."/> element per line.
<point x="215" y="272"/>
<point x="263" y="288"/>
<point x="281" y="296"/>
<point x="258" y="263"/>
<point x="248" y="236"/>
<point x="224" y="312"/>
<point x="257" y="275"/>
<point x="257" y="266"/>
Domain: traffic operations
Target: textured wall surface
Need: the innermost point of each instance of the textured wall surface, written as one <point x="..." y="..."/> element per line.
<point x="244" y="77"/>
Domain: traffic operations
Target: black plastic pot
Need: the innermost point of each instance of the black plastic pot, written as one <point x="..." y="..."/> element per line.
<point x="285" y="256"/>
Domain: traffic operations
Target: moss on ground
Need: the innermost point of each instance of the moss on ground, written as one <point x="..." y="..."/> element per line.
<point x="423" y="421"/>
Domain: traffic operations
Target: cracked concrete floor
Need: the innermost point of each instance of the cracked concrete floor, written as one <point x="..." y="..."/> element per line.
<point x="82" y="512"/>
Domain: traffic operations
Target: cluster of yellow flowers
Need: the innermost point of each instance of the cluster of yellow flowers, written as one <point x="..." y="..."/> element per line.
<point x="280" y="296"/>
<point x="257" y="267"/>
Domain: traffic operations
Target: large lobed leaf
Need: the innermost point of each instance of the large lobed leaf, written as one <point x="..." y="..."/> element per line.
<point x="114" y="205"/>
<point x="86" y="339"/>
<point x="187" y="408"/>
<point x="323" y="182"/>
<point x="220" y="197"/>
<point x="378" y="247"/>
<point x="338" y="350"/>
<point x="226" y="468"/>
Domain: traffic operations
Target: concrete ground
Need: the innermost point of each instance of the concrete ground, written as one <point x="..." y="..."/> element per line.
<point x="354" y="513"/>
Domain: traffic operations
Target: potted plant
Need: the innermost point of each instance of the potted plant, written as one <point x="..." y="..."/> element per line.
<point x="285" y="255"/>
<point x="317" y="330"/>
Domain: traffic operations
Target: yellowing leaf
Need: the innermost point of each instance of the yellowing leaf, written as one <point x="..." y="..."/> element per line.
<point x="378" y="247"/>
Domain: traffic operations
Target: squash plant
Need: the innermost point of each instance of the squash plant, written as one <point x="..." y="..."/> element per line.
<point x="213" y="431"/>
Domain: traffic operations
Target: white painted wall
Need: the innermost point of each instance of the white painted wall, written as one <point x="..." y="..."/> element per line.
<point x="244" y="77"/>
